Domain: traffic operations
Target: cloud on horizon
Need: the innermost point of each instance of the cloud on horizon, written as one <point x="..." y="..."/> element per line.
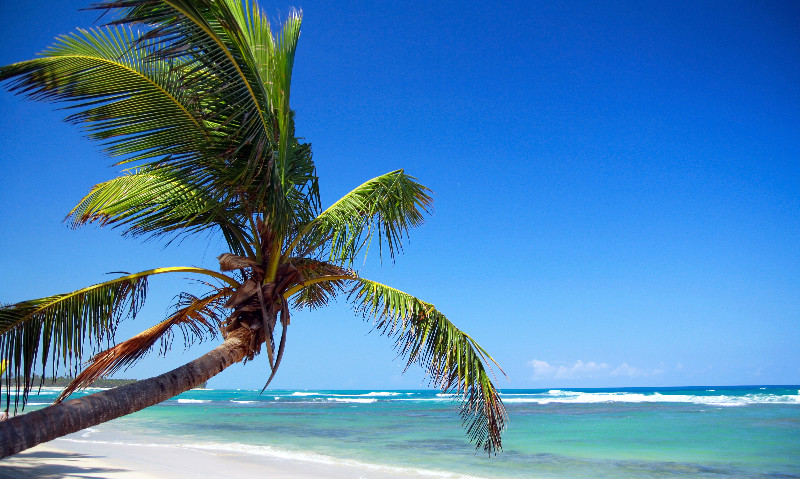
<point x="586" y="370"/>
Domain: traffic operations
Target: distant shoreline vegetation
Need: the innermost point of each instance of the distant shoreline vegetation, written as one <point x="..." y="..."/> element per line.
<point x="63" y="381"/>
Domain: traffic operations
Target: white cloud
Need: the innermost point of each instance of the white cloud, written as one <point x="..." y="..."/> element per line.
<point x="545" y="370"/>
<point x="584" y="370"/>
<point x="541" y="369"/>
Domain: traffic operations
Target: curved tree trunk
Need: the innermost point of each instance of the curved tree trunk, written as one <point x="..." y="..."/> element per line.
<point x="27" y="430"/>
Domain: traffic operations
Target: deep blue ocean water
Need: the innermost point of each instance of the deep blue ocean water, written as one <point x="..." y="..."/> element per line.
<point x="697" y="432"/>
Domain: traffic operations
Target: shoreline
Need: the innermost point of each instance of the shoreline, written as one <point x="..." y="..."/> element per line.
<point x="66" y="457"/>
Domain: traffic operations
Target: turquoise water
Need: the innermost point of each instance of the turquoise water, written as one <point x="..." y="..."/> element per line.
<point x="705" y="432"/>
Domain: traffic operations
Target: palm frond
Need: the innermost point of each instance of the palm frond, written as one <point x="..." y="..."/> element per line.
<point x="385" y="207"/>
<point x="273" y="60"/>
<point x="157" y="201"/>
<point x="196" y="317"/>
<point x="454" y="361"/>
<point x="189" y="89"/>
<point x="136" y="107"/>
<point x="247" y="87"/>
<point x="58" y="328"/>
<point x="301" y="184"/>
<point x="314" y="295"/>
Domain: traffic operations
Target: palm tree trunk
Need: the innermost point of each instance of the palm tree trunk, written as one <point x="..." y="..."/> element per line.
<point x="27" y="430"/>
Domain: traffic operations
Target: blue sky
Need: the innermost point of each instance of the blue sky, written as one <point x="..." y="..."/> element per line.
<point x="617" y="187"/>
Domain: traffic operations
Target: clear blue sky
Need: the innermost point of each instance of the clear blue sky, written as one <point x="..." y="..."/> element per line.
<point x="617" y="186"/>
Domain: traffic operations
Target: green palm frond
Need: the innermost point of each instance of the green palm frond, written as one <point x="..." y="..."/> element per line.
<point x="246" y="85"/>
<point x="188" y="89"/>
<point x="315" y="295"/>
<point x="385" y="207"/>
<point x="271" y="59"/>
<point x="301" y="184"/>
<point x="57" y="328"/>
<point x="196" y="317"/>
<point x="135" y="106"/>
<point x="156" y="201"/>
<point x="454" y="361"/>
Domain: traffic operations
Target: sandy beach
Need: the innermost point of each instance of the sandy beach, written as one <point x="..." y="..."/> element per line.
<point x="64" y="458"/>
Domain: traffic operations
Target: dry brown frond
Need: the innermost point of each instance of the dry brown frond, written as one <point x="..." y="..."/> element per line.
<point x="196" y="318"/>
<point x="230" y="262"/>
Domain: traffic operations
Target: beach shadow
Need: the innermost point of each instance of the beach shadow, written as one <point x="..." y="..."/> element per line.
<point x="51" y="465"/>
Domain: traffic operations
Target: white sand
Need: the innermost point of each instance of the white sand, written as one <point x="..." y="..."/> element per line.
<point x="63" y="458"/>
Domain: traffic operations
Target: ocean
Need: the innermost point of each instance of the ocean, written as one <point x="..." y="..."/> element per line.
<point x="691" y="432"/>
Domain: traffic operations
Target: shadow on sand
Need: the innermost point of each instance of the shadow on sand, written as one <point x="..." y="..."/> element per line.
<point x="51" y="465"/>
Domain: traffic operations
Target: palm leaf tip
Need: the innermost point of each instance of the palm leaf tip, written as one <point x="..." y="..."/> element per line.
<point x="384" y="208"/>
<point x="453" y="360"/>
<point x="56" y="329"/>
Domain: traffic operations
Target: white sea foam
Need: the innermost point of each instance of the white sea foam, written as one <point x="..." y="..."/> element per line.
<point x="354" y="400"/>
<point x="552" y="392"/>
<point x="323" y="459"/>
<point x="559" y="392"/>
<point x="329" y="395"/>
<point x="381" y="393"/>
<point x="89" y="431"/>
<point x="623" y="397"/>
<point x="115" y="443"/>
<point x="244" y="402"/>
<point x="193" y="401"/>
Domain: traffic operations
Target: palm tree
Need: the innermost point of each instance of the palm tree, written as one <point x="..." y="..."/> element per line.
<point x="193" y="97"/>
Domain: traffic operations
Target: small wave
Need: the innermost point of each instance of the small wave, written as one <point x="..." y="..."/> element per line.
<point x="369" y="394"/>
<point x="354" y="400"/>
<point x="193" y="401"/>
<point x="593" y="398"/>
<point x="89" y="431"/>
<point x="244" y="402"/>
<point x="562" y="393"/>
<point x="520" y="394"/>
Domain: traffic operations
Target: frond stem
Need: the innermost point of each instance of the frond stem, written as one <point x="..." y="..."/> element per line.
<point x="182" y="269"/>
<point x="289" y="292"/>
<point x="274" y="260"/>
